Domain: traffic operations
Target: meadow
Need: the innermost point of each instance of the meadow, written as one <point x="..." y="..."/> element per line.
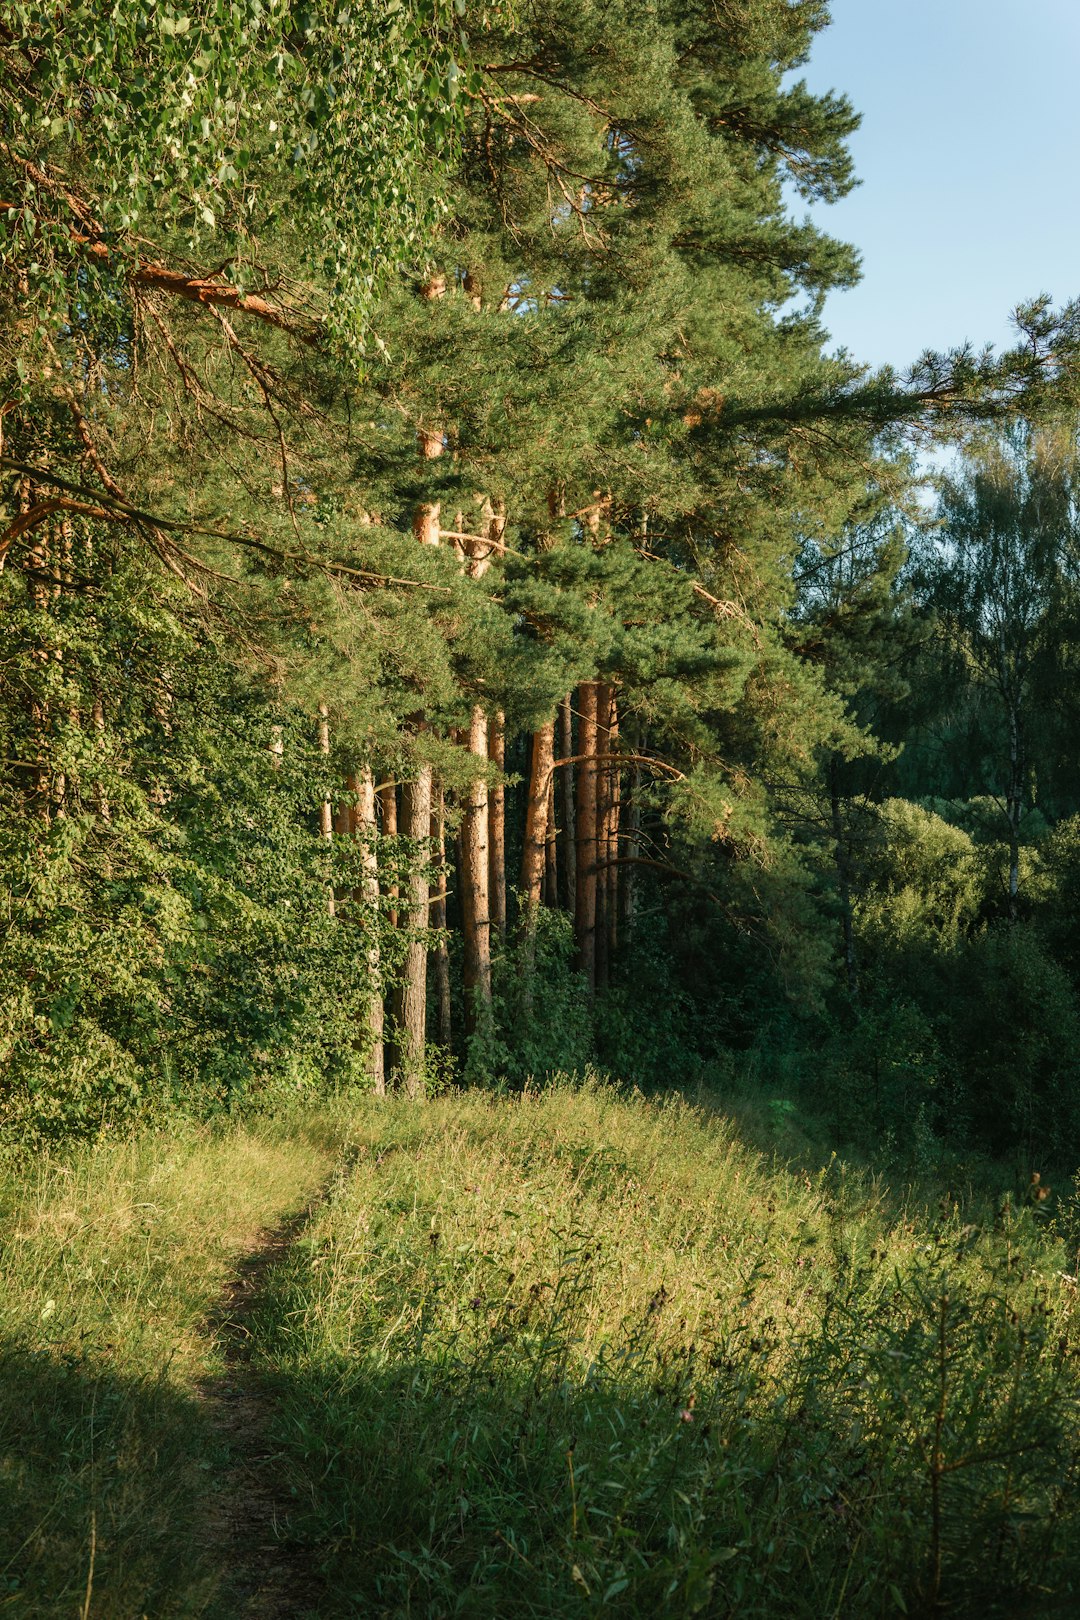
<point x="571" y="1351"/>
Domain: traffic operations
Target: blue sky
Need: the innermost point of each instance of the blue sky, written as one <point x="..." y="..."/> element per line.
<point x="969" y="154"/>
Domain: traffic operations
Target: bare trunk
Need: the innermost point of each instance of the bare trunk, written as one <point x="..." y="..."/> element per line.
<point x="388" y="807"/>
<point x="551" y="860"/>
<point x="326" y="811"/>
<point x="843" y="882"/>
<point x="409" y="1000"/>
<point x="475" y="901"/>
<point x="438" y="922"/>
<point x="426" y="518"/>
<point x="585" y="909"/>
<point x="534" y="850"/>
<point x="97" y="719"/>
<point x="614" y="810"/>
<point x="632" y="851"/>
<point x="497" y="821"/>
<point x="362" y="818"/>
<point x="429" y="440"/>
<point x="566" y="744"/>
<point x="1014" y="806"/>
<point x="604" y="700"/>
<point x="40" y="773"/>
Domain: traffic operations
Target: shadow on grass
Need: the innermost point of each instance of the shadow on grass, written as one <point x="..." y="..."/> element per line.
<point x="101" y="1481"/>
<point x="495" y="1479"/>
<point x="916" y="1458"/>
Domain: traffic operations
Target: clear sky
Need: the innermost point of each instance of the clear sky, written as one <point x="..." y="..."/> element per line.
<point x="969" y="156"/>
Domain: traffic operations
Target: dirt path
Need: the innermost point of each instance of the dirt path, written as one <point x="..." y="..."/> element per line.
<point x="269" y="1576"/>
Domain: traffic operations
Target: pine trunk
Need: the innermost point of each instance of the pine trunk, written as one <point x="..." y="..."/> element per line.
<point x="632" y="849"/>
<point x="438" y="922"/>
<point x="475" y="900"/>
<point x="388" y="808"/>
<point x="843" y="881"/>
<point x="551" y="860"/>
<point x="326" y="809"/>
<point x="534" y="850"/>
<point x="363" y="827"/>
<point x="585" y="808"/>
<point x="614" y="799"/>
<point x="603" y="823"/>
<point x="409" y="1000"/>
<point x="566" y="745"/>
<point x="497" y="821"/>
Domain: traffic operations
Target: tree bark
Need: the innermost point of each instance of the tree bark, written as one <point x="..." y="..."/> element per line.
<point x="326" y="810"/>
<point x="632" y="851"/>
<point x="475" y="900"/>
<point x="497" y="823"/>
<point x="604" y="700"/>
<point x="388" y="807"/>
<point x="409" y="999"/>
<point x="534" y="849"/>
<point x="362" y="820"/>
<point x="585" y="881"/>
<point x="551" y="859"/>
<point x="614" y="803"/>
<point x="566" y="744"/>
<point x="438" y="921"/>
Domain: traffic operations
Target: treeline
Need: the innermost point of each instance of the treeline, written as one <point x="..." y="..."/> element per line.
<point x="459" y="622"/>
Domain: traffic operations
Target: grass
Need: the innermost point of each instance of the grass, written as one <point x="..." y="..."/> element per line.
<point x="579" y="1353"/>
<point x="113" y="1257"/>
<point x="573" y="1353"/>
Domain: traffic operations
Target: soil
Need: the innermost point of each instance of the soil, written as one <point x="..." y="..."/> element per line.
<point x="270" y="1574"/>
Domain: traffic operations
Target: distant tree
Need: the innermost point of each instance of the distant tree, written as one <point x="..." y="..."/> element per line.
<point x="1002" y="571"/>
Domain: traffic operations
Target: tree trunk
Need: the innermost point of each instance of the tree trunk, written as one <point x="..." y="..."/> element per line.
<point x="326" y="810"/>
<point x="534" y="849"/>
<point x="409" y="1000"/>
<point x="585" y="882"/>
<point x="632" y="845"/>
<point x="1014" y="795"/>
<point x="388" y="807"/>
<point x="438" y="921"/>
<point x="566" y="745"/>
<point x="497" y="821"/>
<point x="363" y="827"/>
<point x="551" y="859"/>
<point x="604" y="700"/>
<point x="614" y="809"/>
<point x="843" y="881"/>
<point x="97" y="720"/>
<point x="475" y="902"/>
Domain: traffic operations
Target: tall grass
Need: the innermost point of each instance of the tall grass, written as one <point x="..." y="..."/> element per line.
<point x="569" y="1353"/>
<point x="579" y="1353"/>
<point x="113" y="1257"/>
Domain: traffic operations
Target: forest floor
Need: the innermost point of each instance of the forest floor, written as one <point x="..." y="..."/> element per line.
<point x="569" y="1353"/>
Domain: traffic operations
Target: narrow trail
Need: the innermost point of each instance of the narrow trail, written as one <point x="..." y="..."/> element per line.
<point x="269" y="1575"/>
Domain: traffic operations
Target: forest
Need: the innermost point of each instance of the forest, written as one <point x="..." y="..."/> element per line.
<point x="539" y="839"/>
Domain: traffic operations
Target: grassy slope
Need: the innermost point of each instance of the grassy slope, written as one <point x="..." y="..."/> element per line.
<point x="578" y="1354"/>
<point x="112" y="1259"/>
<point x="565" y="1355"/>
